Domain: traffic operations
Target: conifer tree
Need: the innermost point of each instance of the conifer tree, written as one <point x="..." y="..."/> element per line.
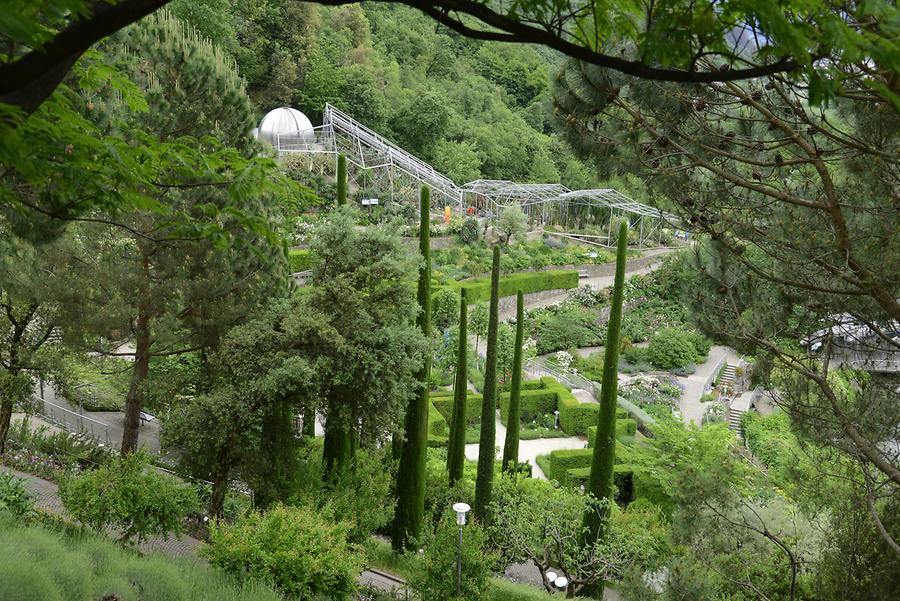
<point x="456" y="446"/>
<point x="601" y="481"/>
<point x="411" y="472"/>
<point x="511" y="444"/>
<point x="485" y="478"/>
<point x="342" y="180"/>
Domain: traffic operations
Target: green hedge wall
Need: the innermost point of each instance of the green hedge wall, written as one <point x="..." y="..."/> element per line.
<point x="532" y="403"/>
<point x="299" y="260"/>
<point x="443" y="403"/>
<point x="479" y="289"/>
<point x="563" y="460"/>
<point x="623" y="478"/>
<point x="574" y="417"/>
<point x="437" y="427"/>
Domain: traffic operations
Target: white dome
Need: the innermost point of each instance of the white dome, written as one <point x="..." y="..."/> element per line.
<point x="285" y="122"/>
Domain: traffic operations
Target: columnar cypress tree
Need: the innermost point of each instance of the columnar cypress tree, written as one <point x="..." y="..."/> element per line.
<point x="601" y="481"/>
<point x="342" y="180"/>
<point x="485" y="478"/>
<point x="511" y="444"/>
<point x="456" y="446"/>
<point x="411" y="472"/>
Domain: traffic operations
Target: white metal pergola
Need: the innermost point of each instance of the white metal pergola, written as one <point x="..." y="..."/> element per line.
<point x="401" y="173"/>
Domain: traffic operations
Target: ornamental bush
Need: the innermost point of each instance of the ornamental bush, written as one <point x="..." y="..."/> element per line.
<point x="14" y="497"/>
<point x="436" y="578"/>
<point x="130" y="497"/>
<point x="294" y="548"/>
<point x="671" y="348"/>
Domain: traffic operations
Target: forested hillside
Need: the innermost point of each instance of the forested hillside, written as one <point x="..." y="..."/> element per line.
<point x="473" y="109"/>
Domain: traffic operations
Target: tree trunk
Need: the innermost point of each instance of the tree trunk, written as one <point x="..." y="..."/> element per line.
<point x="6" y="409"/>
<point x="220" y="484"/>
<point x="134" y="401"/>
<point x="336" y="452"/>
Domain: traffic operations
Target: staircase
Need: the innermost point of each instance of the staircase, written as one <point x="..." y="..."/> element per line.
<point x="734" y="416"/>
<point x="728" y="376"/>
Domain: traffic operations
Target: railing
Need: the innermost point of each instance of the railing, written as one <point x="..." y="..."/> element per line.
<point x="73" y="421"/>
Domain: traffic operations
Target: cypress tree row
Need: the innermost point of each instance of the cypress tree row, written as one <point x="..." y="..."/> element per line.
<point x="484" y="481"/>
<point x="456" y="446"/>
<point x="410" y="486"/>
<point x="601" y="480"/>
<point x="342" y="180"/>
<point x="511" y="443"/>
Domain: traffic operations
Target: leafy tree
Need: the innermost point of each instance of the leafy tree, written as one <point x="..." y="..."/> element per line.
<point x="361" y="336"/>
<point x="468" y="234"/>
<point x="295" y="548"/>
<point x="768" y="176"/>
<point x="536" y="522"/>
<point x="411" y="472"/>
<point x="436" y="575"/>
<point x="513" y="419"/>
<point x="34" y="287"/>
<point x="445" y="309"/>
<point x="125" y="495"/>
<point x="480" y="318"/>
<point x="512" y="222"/>
<point x="456" y="446"/>
<point x="486" y="451"/>
<point x="342" y="180"/>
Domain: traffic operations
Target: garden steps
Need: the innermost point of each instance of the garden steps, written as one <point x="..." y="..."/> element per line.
<point x="728" y="376"/>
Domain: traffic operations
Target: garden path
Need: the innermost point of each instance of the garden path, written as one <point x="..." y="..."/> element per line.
<point x="692" y="409"/>
<point x="529" y="449"/>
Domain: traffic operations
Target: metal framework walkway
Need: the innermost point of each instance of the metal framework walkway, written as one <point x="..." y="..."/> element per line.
<point x="376" y="155"/>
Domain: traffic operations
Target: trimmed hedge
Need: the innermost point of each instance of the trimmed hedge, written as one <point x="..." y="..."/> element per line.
<point x="479" y="289"/>
<point x="532" y="403"/>
<point x="623" y="478"/>
<point x="437" y="426"/>
<point x="574" y="417"/>
<point x="442" y="401"/>
<point x="299" y="260"/>
<point x="563" y="460"/>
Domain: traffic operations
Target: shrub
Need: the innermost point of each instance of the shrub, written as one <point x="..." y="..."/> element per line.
<point x="436" y="578"/>
<point x="14" y="497"/>
<point x="130" y="497"/>
<point x="469" y="232"/>
<point x="623" y="479"/>
<point x="563" y="460"/>
<point x="296" y="549"/>
<point x="569" y="326"/>
<point x="671" y="348"/>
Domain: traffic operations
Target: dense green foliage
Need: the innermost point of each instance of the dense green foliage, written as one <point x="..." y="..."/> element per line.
<point x="124" y="494"/>
<point x="14" y="497"/>
<point x="295" y="549"/>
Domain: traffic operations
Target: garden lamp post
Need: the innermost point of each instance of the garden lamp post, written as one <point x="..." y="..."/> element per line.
<point x="561" y="583"/>
<point x="461" y="510"/>
<point x="556" y="419"/>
